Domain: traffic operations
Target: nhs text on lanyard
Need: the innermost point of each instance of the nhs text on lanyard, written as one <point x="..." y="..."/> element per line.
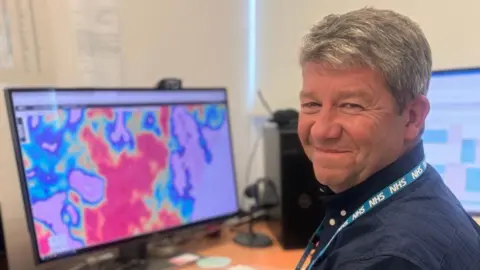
<point x="381" y="196"/>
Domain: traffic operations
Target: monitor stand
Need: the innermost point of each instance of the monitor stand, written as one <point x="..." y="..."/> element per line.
<point x="144" y="255"/>
<point x="133" y="255"/>
<point x="162" y="251"/>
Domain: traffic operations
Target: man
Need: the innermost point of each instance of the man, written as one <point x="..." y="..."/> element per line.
<point x="363" y="109"/>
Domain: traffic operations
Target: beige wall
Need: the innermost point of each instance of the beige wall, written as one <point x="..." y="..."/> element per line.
<point x="450" y="26"/>
<point x="203" y="42"/>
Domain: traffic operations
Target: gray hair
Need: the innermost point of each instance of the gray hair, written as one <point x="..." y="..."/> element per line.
<point x="379" y="39"/>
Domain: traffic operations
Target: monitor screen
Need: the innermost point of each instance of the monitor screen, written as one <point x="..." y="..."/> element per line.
<point x="452" y="133"/>
<point x="102" y="166"/>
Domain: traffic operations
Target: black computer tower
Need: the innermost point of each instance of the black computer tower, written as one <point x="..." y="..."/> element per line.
<point x="300" y="211"/>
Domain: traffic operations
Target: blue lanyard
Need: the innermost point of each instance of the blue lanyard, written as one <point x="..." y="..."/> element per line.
<point x="381" y="196"/>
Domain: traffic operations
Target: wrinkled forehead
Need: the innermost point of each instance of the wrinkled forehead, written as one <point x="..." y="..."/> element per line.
<point x="340" y="93"/>
<point x="340" y="83"/>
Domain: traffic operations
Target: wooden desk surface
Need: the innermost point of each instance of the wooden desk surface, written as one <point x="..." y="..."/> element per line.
<point x="273" y="257"/>
<point x="269" y="258"/>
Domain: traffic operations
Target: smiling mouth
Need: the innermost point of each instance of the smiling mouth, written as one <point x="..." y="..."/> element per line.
<point x="330" y="151"/>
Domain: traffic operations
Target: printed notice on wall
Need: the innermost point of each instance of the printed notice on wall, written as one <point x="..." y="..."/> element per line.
<point x="97" y="29"/>
<point x="27" y="31"/>
<point x="6" y="52"/>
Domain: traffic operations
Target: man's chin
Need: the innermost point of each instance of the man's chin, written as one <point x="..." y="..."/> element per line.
<point x="333" y="181"/>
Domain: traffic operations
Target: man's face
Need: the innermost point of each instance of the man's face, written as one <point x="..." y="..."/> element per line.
<point x="349" y="124"/>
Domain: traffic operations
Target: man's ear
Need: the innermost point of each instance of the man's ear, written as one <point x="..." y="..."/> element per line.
<point x="415" y="113"/>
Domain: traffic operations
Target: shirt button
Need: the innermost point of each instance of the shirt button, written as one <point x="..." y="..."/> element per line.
<point x="332" y="222"/>
<point x="343" y="213"/>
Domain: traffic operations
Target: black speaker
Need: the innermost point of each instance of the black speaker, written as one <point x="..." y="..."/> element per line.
<point x="300" y="211"/>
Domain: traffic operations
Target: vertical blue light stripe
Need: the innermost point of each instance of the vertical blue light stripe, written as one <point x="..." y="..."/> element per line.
<point x="252" y="53"/>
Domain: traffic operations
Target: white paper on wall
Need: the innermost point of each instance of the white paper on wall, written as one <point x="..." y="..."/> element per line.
<point x="27" y="31"/>
<point x="97" y="28"/>
<point x="6" y="52"/>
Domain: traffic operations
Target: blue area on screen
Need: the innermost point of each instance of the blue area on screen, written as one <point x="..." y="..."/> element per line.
<point x="439" y="168"/>
<point x="468" y="152"/>
<point x="435" y="136"/>
<point x="473" y="180"/>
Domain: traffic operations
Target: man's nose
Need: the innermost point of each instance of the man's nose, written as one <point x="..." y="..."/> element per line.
<point x="326" y="127"/>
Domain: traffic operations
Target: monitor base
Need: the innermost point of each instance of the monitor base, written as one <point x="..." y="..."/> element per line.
<point x="162" y="251"/>
<point x="132" y="252"/>
<point x="145" y="256"/>
<point x="251" y="239"/>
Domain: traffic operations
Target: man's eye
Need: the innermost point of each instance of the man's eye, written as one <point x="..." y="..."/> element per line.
<point x="352" y="106"/>
<point x="310" y="105"/>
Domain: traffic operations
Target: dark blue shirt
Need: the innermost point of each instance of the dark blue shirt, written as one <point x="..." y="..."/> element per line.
<point x="423" y="226"/>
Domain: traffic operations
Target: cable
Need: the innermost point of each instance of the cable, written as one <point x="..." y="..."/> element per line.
<point x="251" y="159"/>
<point x="264" y="102"/>
<point x="255" y="216"/>
<point x="256" y="143"/>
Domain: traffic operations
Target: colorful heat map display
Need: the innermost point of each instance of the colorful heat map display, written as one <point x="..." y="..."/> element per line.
<point x="103" y="174"/>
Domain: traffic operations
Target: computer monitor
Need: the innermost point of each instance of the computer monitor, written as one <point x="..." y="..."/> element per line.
<point x="452" y="132"/>
<point x="102" y="166"/>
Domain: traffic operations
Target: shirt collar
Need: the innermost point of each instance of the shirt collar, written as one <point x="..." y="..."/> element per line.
<point x="352" y="198"/>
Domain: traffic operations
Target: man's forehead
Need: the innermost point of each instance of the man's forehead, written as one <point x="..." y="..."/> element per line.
<point x="358" y="92"/>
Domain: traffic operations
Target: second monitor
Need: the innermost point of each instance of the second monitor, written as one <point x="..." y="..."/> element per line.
<point x="105" y="165"/>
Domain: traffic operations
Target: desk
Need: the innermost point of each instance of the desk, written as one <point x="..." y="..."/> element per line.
<point x="269" y="258"/>
<point x="273" y="257"/>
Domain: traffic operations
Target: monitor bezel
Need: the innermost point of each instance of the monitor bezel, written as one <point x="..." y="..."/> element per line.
<point x="452" y="72"/>
<point x="8" y="93"/>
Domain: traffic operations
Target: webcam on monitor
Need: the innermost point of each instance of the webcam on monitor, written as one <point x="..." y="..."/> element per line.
<point x="169" y="84"/>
